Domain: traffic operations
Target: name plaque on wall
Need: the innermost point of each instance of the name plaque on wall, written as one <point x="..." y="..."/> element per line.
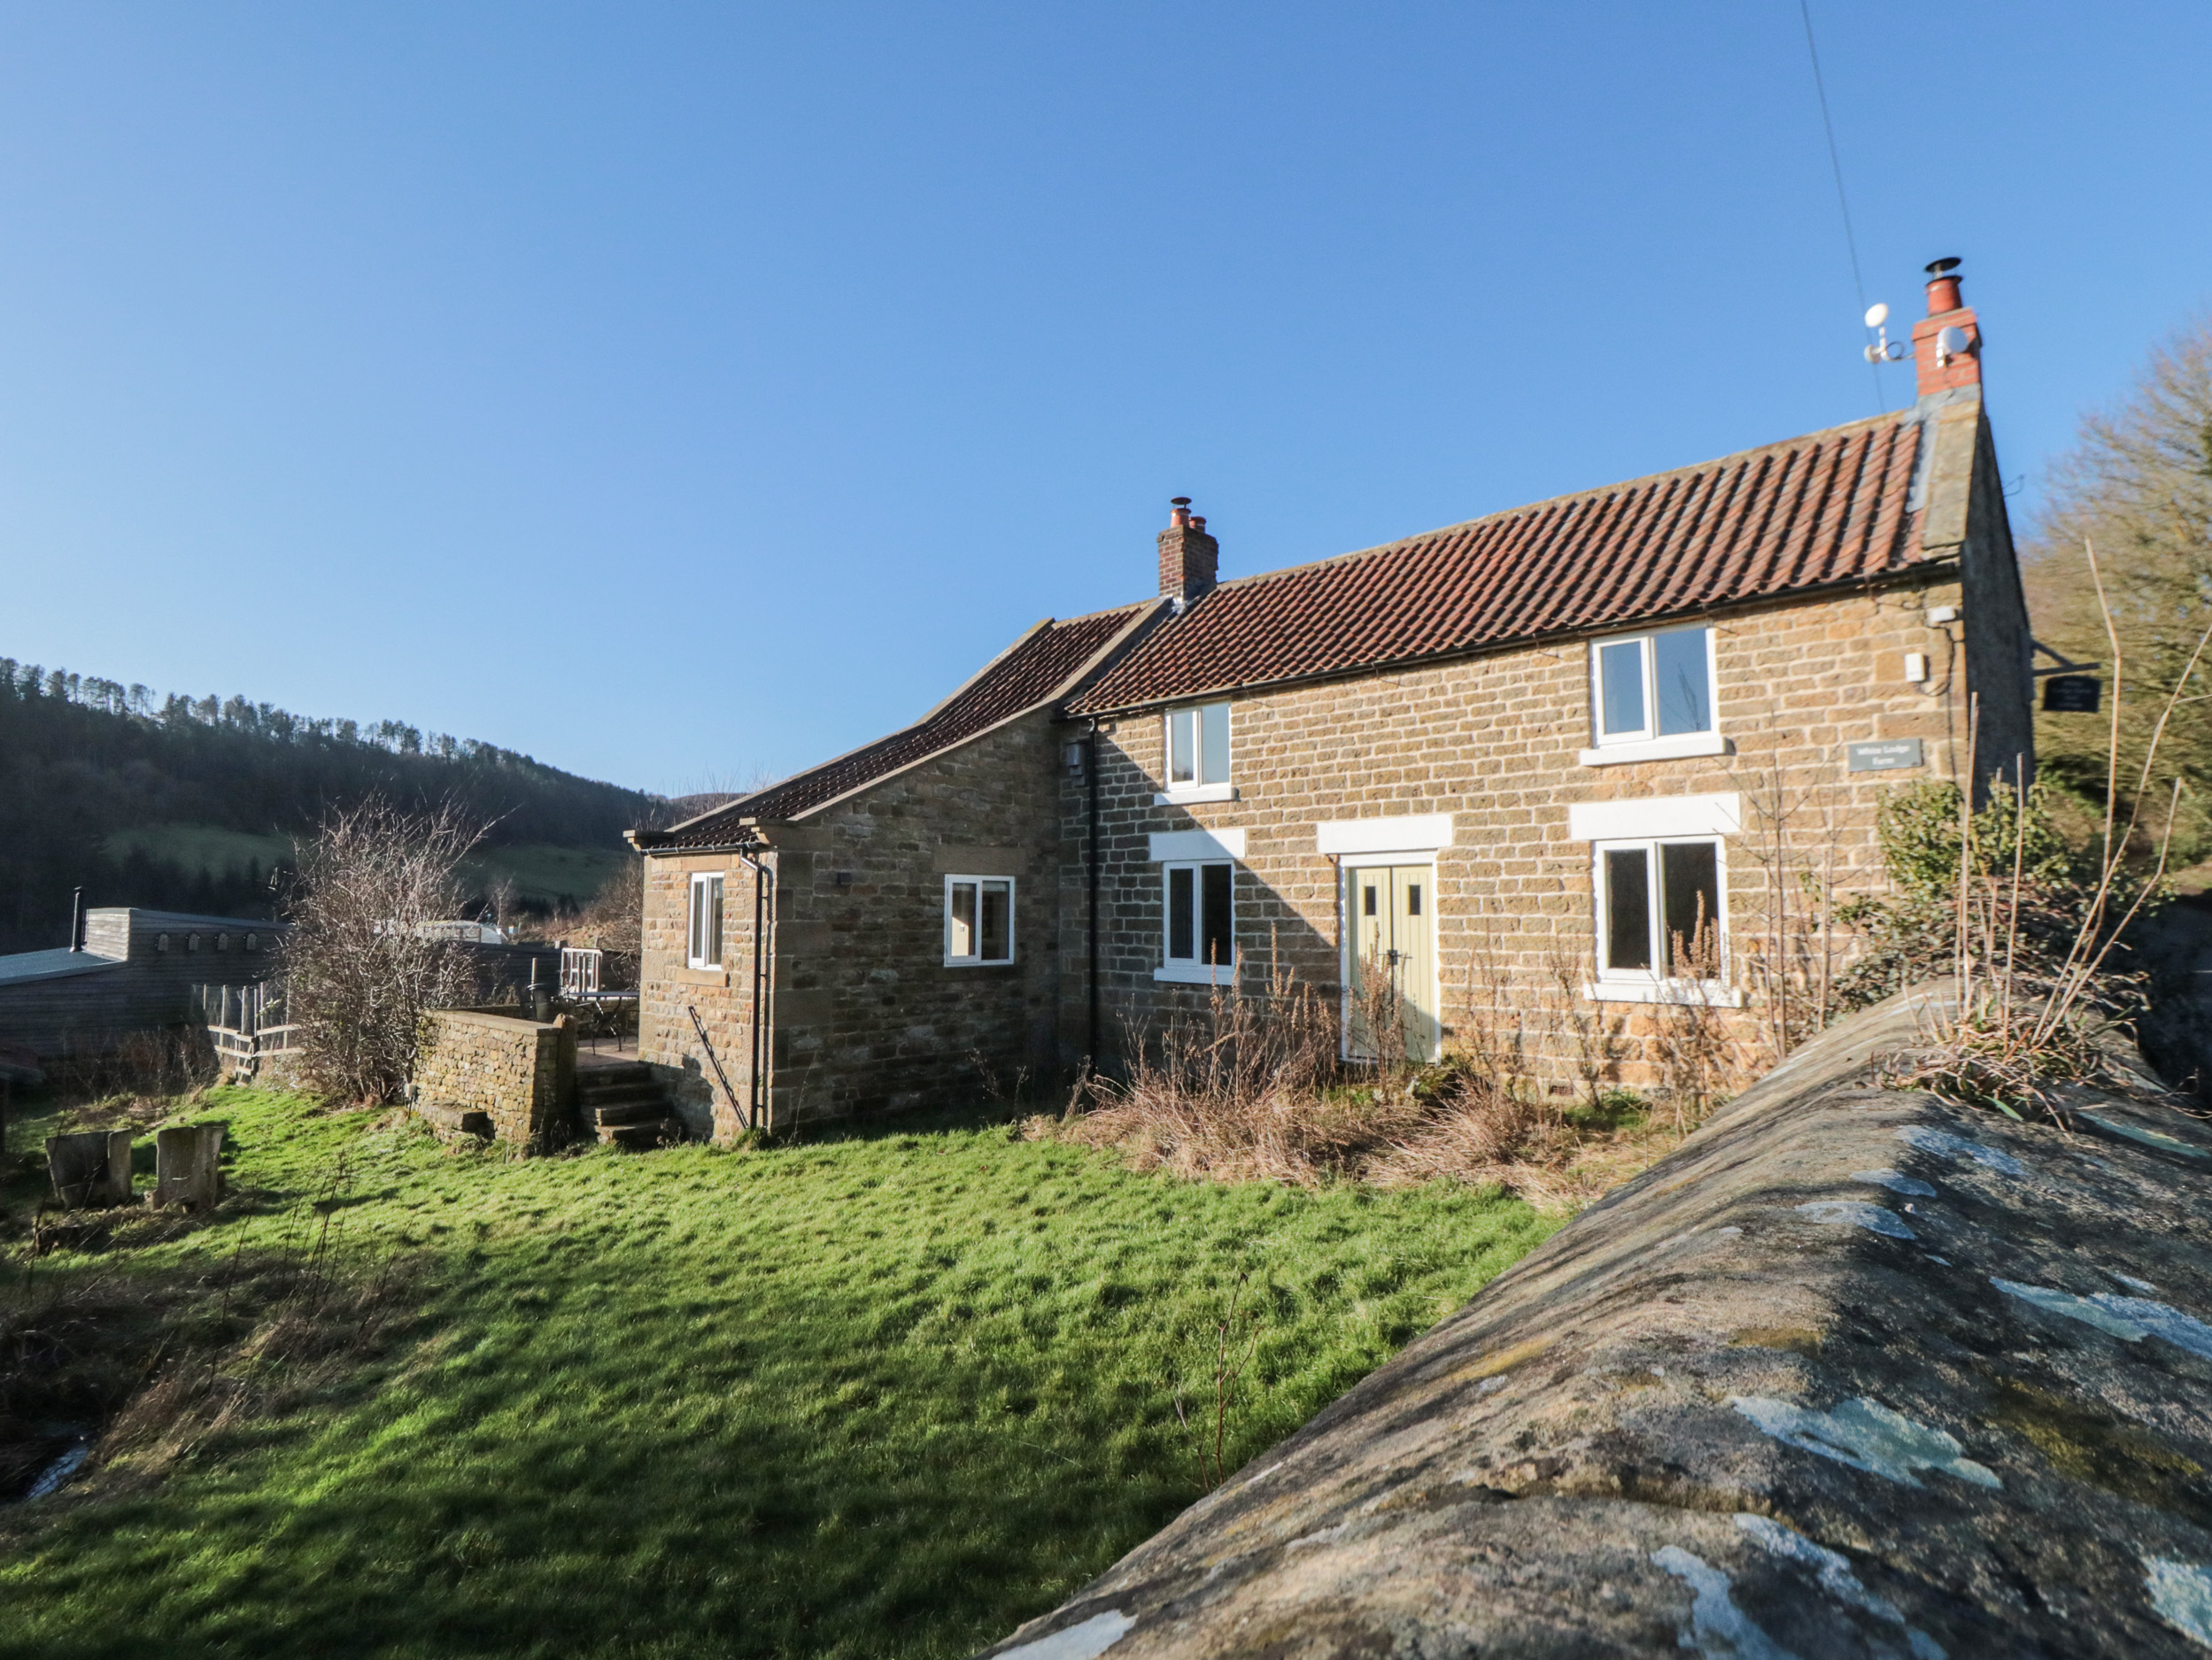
<point x="1886" y="757"/>
<point x="2071" y="694"/>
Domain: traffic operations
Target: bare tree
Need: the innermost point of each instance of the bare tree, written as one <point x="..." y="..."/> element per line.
<point x="363" y="963"/>
<point x="2138" y="485"/>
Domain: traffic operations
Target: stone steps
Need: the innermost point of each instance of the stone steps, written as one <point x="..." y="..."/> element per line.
<point x="624" y="1105"/>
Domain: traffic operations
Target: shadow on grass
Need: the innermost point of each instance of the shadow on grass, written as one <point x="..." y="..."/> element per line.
<point x="887" y="1389"/>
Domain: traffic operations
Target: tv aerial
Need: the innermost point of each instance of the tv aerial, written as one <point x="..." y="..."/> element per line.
<point x="1884" y="350"/>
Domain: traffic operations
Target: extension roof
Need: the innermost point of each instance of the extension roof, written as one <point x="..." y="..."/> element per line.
<point x="1037" y="670"/>
<point x="60" y="963"/>
<point x="1828" y="508"/>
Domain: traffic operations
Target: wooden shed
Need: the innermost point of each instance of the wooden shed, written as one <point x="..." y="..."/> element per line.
<point x="135" y="971"/>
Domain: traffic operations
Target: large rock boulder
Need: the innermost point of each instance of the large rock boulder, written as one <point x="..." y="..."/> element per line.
<point x="1856" y="1371"/>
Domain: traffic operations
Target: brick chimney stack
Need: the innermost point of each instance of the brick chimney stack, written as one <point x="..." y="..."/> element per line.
<point x="1947" y="343"/>
<point x="1189" y="558"/>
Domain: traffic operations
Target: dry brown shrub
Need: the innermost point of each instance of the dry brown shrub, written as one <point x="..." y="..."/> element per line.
<point x="362" y="962"/>
<point x="1255" y="1088"/>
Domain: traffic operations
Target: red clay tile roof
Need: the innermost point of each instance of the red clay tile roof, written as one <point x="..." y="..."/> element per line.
<point x="1823" y="509"/>
<point x="1034" y="670"/>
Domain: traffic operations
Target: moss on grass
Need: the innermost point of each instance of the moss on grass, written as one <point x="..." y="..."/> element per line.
<point x="885" y="1393"/>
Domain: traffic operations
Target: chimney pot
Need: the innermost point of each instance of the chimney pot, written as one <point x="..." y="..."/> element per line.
<point x="1947" y="343"/>
<point x="1942" y="287"/>
<point x="1189" y="557"/>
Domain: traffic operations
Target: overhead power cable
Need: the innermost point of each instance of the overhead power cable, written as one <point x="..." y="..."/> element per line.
<point x="1843" y="201"/>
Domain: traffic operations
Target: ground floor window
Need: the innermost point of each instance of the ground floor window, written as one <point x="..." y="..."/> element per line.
<point x="1660" y="911"/>
<point x="978" y="920"/>
<point x="704" y="950"/>
<point x="1200" y="916"/>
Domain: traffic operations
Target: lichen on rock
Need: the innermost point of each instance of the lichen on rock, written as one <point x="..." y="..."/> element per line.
<point x="1740" y="1409"/>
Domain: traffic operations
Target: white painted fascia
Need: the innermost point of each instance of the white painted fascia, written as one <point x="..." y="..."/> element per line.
<point x="1676" y="748"/>
<point x="1648" y="817"/>
<point x="1413" y="833"/>
<point x="1176" y="846"/>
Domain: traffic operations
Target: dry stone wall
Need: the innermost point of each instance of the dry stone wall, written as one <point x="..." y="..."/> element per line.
<point x="519" y="1073"/>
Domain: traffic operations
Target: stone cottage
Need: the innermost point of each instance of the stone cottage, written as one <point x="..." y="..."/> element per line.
<point x="1554" y="774"/>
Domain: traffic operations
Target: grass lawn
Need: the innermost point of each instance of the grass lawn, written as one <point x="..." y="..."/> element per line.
<point x="886" y="1394"/>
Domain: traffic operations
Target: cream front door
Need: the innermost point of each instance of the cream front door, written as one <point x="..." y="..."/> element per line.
<point x="1392" y="973"/>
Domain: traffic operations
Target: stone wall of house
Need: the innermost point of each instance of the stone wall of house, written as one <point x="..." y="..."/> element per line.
<point x="864" y="1013"/>
<point x="1493" y="741"/>
<point x="520" y="1073"/>
<point x="670" y="993"/>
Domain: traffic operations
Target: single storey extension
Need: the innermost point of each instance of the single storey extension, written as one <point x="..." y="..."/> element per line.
<point x="1563" y="770"/>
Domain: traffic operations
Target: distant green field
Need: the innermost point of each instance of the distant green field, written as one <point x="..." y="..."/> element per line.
<point x="543" y="874"/>
<point x="201" y="848"/>
<point x="554" y="875"/>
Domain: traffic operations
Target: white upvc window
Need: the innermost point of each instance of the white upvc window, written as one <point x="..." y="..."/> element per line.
<point x="1662" y="920"/>
<point x="1652" y="696"/>
<point x="703" y="949"/>
<point x="1198" y="754"/>
<point x="978" y="921"/>
<point x="1198" y="922"/>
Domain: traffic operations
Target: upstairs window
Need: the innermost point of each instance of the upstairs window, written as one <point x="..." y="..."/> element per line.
<point x="704" y="949"/>
<point x="978" y="921"/>
<point x="1198" y="750"/>
<point x="1650" y="686"/>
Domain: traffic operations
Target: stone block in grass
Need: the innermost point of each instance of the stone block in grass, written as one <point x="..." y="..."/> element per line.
<point x="91" y="1167"/>
<point x="188" y="1168"/>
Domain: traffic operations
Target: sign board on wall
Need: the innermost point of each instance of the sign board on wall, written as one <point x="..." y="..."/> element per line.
<point x="1885" y="757"/>
<point x="2071" y="694"/>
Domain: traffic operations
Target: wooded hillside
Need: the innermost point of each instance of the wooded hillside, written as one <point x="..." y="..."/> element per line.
<point x="93" y="773"/>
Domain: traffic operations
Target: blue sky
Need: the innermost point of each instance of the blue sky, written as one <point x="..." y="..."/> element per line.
<point x="675" y="391"/>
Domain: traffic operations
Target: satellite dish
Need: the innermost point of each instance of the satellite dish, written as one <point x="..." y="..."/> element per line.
<point x="1877" y="314"/>
<point x="1951" y="341"/>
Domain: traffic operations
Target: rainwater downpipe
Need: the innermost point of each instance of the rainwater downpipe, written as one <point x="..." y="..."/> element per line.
<point x="763" y="881"/>
<point x="1090" y="777"/>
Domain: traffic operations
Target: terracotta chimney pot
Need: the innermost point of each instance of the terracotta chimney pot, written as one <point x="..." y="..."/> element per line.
<point x="1189" y="558"/>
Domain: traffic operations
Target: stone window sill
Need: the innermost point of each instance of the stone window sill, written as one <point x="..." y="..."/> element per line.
<point x="1659" y="749"/>
<point x="1196" y="793"/>
<point x="1711" y="993"/>
<point x="1196" y="974"/>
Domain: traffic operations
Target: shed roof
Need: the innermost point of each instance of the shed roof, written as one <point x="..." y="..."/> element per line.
<point x="144" y="918"/>
<point x="22" y="967"/>
<point x="1831" y="508"/>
